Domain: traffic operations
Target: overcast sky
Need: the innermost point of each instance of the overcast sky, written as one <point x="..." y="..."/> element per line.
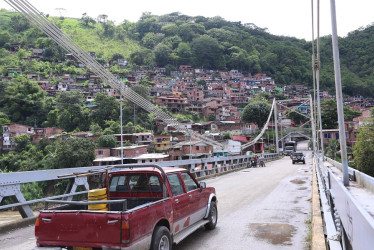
<point x="280" y="17"/>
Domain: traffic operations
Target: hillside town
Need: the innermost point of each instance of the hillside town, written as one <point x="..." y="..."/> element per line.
<point x="219" y="96"/>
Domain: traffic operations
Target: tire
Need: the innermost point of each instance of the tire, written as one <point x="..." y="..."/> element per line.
<point x="293" y="162"/>
<point x="212" y="217"/>
<point x="303" y="162"/>
<point x="161" y="239"/>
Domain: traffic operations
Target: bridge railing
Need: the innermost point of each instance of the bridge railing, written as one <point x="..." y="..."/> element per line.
<point x="10" y="183"/>
<point x="353" y="224"/>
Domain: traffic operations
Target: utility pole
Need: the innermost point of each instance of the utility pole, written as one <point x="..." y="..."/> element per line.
<point x="276" y="125"/>
<point x="339" y="95"/>
<point x="317" y="67"/>
<point x="314" y="137"/>
<point x="121" y="99"/>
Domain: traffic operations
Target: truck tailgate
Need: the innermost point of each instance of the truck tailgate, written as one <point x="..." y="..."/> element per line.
<point x="80" y="226"/>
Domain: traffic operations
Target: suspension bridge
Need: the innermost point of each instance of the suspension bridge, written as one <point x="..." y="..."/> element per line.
<point x="340" y="194"/>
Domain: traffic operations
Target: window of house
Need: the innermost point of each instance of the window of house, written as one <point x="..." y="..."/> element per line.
<point x="143" y="161"/>
<point x="100" y="152"/>
<point x="325" y="135"/>
<point x="337" y="136"/>
<point x="197" y="147"/>
<point x="328" y="135"/>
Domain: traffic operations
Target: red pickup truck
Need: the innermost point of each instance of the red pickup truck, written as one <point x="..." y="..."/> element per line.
<point x="149" y="208"/>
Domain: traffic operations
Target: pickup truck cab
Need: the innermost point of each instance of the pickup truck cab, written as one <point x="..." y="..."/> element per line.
<point x="164" y="205"/>
<point x="298" y="157"/>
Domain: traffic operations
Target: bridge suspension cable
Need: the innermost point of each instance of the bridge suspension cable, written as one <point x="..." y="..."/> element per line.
<point x="262" y="131"/>
<point x="63" y="40"/>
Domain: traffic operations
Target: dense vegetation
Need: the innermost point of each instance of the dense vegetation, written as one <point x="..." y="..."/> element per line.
<point x="174" y="39"/>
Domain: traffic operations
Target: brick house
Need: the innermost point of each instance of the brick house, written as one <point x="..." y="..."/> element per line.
<point x="11" y="130"/>
<point x="186" y="69"/>
<point x="145" y="138"/>
<point x="175" y="103"/>
<point x="151" y="158"/>
<point x="39" y="133"/>
<point x="194" y="93"/>
<point x="194" y="149"/>
<point x="129" y="151"/>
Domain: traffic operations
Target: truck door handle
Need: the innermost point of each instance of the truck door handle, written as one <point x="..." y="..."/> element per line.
<point x="112" y="221"/>
<point x="176" y="200"/>
<point x="46" y="219"/>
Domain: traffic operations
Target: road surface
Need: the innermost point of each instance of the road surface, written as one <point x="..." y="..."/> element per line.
<point x="258" y="208"/>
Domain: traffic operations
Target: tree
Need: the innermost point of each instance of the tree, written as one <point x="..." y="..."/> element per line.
<point x="70" y="112"/>
<point x="75" y="152"/>
<point x="256" y="112"/>
<point x="212" y="117"/>
<point x="106" y="141"/>
<point x="112" y="127"/>
<point x="329" y="114"/>
<point x="19" y="23"/>
<point x="332" y="149"/>
<point x="150" y="40"/>
<point x="227" y="136"/>
<point x="22" y="141"/>
<point x="162" y="55"/>
<point x="364" y="149"/>
<point x="23" y="102"/>
<point x="107" y="109"/>
<point x="296" y="117"/>
<point x="4" y="38"/>
<point x="207" y="53"/>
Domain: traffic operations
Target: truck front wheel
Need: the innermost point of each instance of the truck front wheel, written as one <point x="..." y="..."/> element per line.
<point x="161" y="239"/>
<point x="212" y="217"/>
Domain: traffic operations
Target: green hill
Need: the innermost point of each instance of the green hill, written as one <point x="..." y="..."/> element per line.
<point x="175" y="39"/>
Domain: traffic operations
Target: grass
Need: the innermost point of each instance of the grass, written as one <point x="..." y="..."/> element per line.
<point x="308" y="237"/>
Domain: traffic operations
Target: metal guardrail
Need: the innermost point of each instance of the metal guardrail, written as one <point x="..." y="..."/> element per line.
<point x="356" y="224"/>
<point x="10" y="183"/>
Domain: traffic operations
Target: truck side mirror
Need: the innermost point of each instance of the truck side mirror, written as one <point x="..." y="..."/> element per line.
<point x="202" y="185"/>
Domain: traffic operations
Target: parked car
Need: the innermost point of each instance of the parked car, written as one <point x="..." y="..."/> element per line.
<point x="298" y="157"/>
<point x="144" y="208"/>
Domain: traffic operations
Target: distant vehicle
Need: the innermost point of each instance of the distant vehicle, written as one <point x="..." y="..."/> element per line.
<point x="298" y="157"/>
<point x="289" y="147"/>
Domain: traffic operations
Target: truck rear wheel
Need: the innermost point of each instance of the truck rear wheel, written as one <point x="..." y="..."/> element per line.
<point x="212" y="217"/>
<point x="161" y="239"/>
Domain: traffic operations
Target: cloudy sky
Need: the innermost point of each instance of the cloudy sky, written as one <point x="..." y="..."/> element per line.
<point x="280" y="17"/>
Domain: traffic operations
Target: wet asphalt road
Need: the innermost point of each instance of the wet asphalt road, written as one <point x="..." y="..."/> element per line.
<point x="258" y="208"/>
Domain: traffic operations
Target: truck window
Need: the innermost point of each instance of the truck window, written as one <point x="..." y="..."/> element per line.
<point x="175" y="184"/>
<point x="189" y="182"/>
<point x="141" y="182"/>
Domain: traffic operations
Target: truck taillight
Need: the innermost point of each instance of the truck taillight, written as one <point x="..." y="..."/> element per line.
<point x="125" y="226"/>
<point x="37" y="228"/>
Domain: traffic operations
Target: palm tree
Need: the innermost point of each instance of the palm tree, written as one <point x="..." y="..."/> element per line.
<point x="332" y="149"/>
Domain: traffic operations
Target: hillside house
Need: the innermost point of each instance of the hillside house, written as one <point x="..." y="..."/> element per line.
<point x="162" y="142"/>
<point x="190" y="149"/>
<point x="175" y="103"/>
<point x="37" y="53"/>
<point x="11" y="130"/>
